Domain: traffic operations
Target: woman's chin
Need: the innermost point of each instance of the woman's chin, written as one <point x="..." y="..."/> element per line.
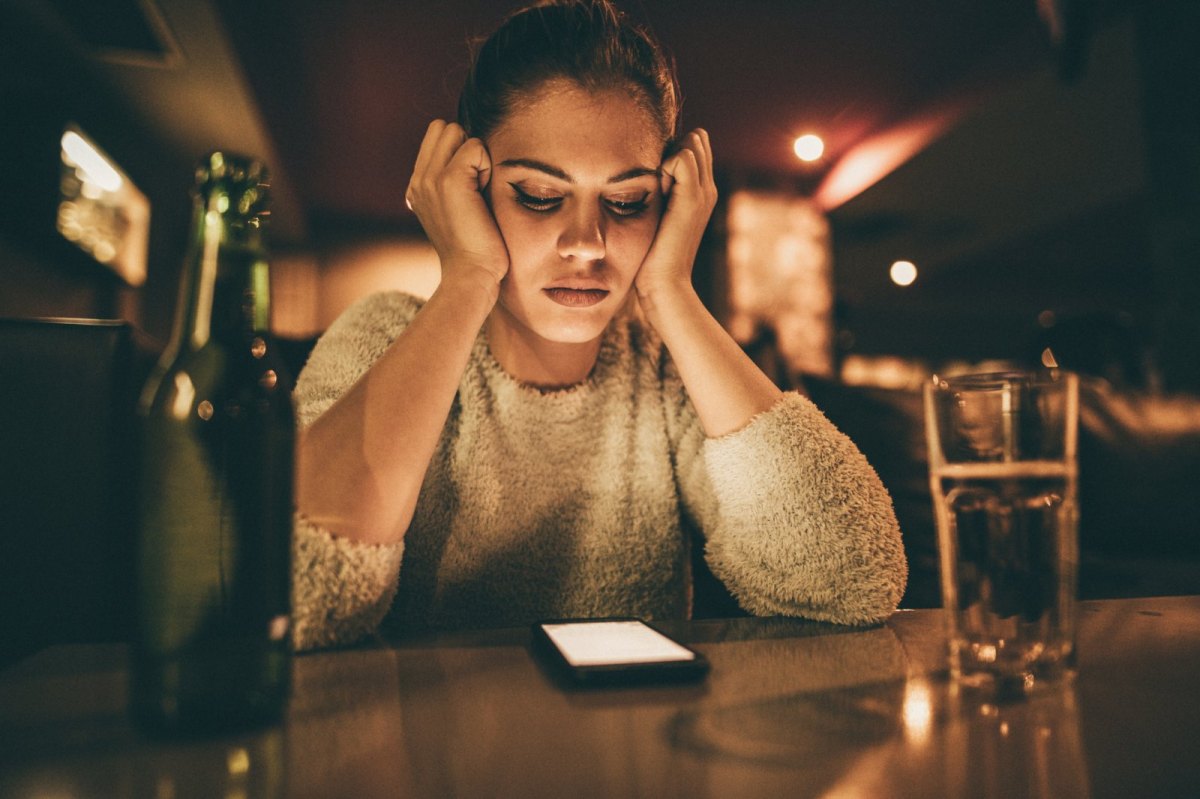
<point x="575" y="327"/>
<point x="582" y="324"/>
<point x="557" y="322"/>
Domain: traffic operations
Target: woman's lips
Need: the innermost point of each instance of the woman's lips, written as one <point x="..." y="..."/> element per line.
<point x="576" y="298"/>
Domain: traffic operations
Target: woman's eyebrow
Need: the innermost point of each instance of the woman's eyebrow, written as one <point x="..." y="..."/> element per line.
<point x="636" y="172"/>
<point x="540" y="166"/>
<point x="553" y="171"/>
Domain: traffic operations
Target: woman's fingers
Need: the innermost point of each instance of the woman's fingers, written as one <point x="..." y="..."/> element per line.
<point x="447" y="163"/>
<point x="442" y="141"/>
<point x="469" y="168"/>
<point x="431" y="136"/>
<point x="698" y="145"/>
<point x="690" y="195"/>
<point x="691" y="165"/>
<point x="677" y="175"/>
<point x="446" y="194"/>
<point x="446" y="146"/>
<point x="424" y="155"/>
<point x="684" y="172"/>
<point x="666" y="181"/>
<point x="483" y="168"/>
<point x="708" y="156"/>
<point x="707" y="160"/>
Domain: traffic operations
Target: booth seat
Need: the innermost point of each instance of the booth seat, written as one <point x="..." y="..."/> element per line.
<point x="1139" y="466"/>
<point x="66" y="482"/>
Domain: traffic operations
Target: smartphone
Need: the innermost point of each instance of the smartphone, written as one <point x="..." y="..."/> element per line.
<point x="615" y="651"/>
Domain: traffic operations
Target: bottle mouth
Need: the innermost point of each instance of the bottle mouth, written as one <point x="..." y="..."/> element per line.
<point x="236" y="186"/>
<point x="235" y="167"/>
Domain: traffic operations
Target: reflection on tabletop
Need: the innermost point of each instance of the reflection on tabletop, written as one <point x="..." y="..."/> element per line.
<point x="912" y="738"/>
<point x="791" y="708"/>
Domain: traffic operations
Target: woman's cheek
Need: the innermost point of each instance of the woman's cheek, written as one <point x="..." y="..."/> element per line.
<point x="517" y="234"/>
<point x="506" y="220"/>
<point x="638" y="235"/>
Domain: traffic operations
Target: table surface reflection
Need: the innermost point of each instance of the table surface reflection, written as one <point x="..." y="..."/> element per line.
<point x="790" y="708"/>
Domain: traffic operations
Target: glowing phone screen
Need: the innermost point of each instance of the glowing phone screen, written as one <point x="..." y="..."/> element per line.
<point x="614" y="642"/>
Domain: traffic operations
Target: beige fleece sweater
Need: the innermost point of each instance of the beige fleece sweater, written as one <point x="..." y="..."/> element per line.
<point x="572" y="503"/>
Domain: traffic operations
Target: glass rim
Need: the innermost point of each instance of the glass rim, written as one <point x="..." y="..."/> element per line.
<point x="995" y="380"/>
<point x="942" y="391"/>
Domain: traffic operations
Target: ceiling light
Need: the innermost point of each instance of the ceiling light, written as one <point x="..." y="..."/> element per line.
<point x="809" y="147"/>
<point x="903" y="273"/>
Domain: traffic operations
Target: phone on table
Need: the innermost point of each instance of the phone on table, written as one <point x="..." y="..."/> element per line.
<point x="615" y="651"/>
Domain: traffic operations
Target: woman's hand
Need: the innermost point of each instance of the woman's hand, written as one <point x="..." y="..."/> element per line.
<point x="724" y="385"/>
<point x="362" y="462"/>
<point x="447" y="195"/>
<point x="690" y="195"/>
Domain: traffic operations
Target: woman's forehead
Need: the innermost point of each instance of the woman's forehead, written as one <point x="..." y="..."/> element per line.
<point x="577" y="130"/>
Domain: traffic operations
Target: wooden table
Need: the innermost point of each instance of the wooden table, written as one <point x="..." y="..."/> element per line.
<point x="791" y="708"/>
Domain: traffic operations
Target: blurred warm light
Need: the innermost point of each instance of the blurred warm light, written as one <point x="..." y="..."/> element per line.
<point x="185" y="393"/>
<point x="809" y="147"/>
<point x="1048" y="360"/>
<point x="872" y="159"/>
<point x="884" y="371"/>
<point x="238" y="761"/>
<point x="781" y="277"/>
<point x="903" y="273"/>
<point x="1047" y="318"/>
<point x="100" y="210"/>
<point x="918" y="710"/>
<point x="295" y="294"/>
<point x="79" y="152"/>
<point x="387" y="264"/>
<point x="1152" y="417"/>
<point x="104" y="251"/>
<point x="310" y="290"/>
<point x="953" y="368"/>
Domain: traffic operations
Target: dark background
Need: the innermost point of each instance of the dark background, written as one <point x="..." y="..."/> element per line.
<point x="1039" y="160"/>
<point x="1028" y="156"/>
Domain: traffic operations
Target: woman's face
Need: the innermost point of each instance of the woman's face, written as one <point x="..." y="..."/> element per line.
<point x="575" y="192"/>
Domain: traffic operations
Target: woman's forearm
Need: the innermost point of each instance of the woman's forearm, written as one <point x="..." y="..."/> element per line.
<point x="360" y="464"/>
<point x="725" y="386"/>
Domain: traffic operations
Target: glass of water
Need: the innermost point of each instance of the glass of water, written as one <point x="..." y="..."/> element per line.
<point x="1003" y="474"/>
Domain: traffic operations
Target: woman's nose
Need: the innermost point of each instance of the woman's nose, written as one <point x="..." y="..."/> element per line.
<point x="583" y="237"/>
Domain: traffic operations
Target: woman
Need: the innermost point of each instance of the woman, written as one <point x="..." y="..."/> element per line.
<point x="534" y="439"/>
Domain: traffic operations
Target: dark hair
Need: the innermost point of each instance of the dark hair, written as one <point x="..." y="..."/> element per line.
<point x="589" y="42"/>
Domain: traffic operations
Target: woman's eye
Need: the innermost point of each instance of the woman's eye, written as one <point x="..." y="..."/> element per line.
<point x="627" y="207"/>
<point x="536" y="202"/>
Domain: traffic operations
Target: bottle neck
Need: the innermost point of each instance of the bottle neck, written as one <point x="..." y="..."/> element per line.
<point x="225" y="293"/>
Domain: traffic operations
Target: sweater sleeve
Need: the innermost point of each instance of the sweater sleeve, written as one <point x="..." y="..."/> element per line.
<point x="342" y="589"/>
<point x="796" y="521"/>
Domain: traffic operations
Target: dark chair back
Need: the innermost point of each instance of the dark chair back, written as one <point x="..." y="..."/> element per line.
<point x="888" y="425"/>
<point x="66" y="483"/>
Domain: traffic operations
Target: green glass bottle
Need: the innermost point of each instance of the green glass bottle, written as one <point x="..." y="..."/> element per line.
<point x="216" y="430"/>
